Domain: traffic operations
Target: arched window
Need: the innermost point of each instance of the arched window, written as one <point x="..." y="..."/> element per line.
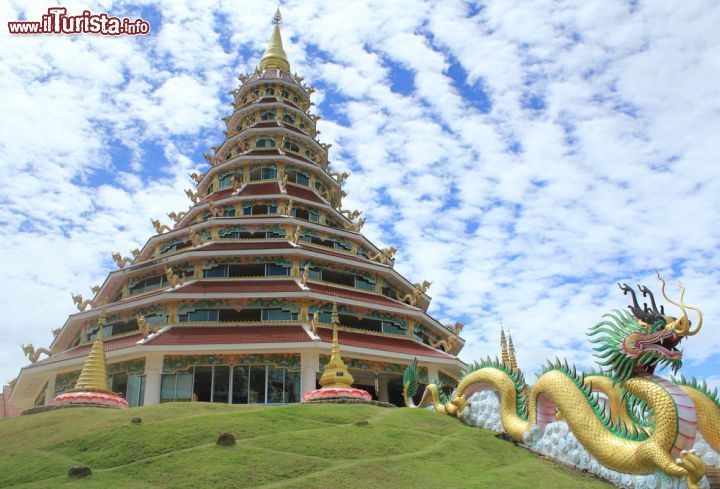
<point x="269" y="91"/>
<point x="285" y="94"/>
<point x="263" y="173"/>
<point x="265" y="143"/>
<point x="268" y="115"/>
<point x="259" y="209"/>
<point x="289" y="118"/>
<point x="296" y="176"/>
<point x="292" y="146"/>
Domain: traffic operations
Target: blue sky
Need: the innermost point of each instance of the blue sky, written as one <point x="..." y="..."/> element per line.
<point x="524" y="158"/>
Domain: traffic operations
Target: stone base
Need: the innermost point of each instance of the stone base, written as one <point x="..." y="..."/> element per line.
<point x="351" y="401"/>
<point x="91" y="398"/>
<point x="43" y="409"/>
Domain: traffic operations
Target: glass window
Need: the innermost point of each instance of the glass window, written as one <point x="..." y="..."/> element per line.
<point x="202" y="385"/>
<point x="390" y="327"/>
<point x="219" y="271"/>
<point x="221" y="383"/>
<point x="225" y="180"/>
<point x="265" y="143"/>
<point x="278" y="315"/>
<point x="268" y="115"/>
<point x="183" y="391"/>
<point x="363" y="283"/>
<point x="292" y="146"/>
<point x="229" y="212"/>
<point x="314" y="216"/>
<point x="269" y="91"/>
<point x="289" y="118"/>
<point x="298" y="177"/>
<point x="256" y="384"/>
<point x="135" y="385"/>
<point x="292" y="387"/>
<point x="119" y="384"/>
<point x="199" y="315"/>
<point x="240" y="385"/>
<point x="272" y="269"/>
<point x="284" y="94"/>
<point x="167" y="388"/>
<point x="276" y="384"/>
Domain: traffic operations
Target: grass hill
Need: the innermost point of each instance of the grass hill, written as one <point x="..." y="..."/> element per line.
<point x="299" y="446"/>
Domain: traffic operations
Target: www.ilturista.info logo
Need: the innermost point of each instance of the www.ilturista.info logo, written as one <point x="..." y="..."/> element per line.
<point x="58" y="22"/>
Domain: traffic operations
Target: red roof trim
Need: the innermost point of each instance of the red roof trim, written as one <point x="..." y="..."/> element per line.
<point x="383" y="343"/>
<point x="225" y="335"/>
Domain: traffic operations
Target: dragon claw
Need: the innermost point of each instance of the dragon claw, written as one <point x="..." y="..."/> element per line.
<point x="693" y="465"/>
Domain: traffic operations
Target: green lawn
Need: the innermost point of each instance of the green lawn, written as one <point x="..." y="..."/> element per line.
<point x="300" y="446"/>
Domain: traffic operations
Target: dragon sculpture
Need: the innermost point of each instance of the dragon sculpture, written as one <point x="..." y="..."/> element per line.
<point x="645" y="422"/>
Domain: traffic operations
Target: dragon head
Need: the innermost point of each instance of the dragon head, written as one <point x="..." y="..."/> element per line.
<point x="639" y="341"/>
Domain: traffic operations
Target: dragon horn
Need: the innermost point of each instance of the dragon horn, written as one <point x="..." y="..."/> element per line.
<point x="697" y="310"/>
<point x="683" y="330"/>
<point x="626" y="288"/>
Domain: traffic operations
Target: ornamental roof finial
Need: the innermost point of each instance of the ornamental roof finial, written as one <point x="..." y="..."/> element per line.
<point x="511" y="352"/>
<point x="503" y="347"/>
<point x="275" y="57"/>
<point x="336" y="373"/>
<point x="93" y="377"/>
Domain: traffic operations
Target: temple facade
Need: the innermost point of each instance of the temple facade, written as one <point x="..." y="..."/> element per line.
<point x="231" y="302"/>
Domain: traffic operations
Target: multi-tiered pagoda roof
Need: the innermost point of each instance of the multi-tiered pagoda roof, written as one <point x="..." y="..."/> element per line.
<point x="246" y="278"/>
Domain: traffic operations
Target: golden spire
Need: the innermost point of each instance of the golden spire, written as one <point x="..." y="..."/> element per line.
<point x="336" y="373"/>
<point x="93" y="377"/>
<point x="503" y="347"/>
<point x="275" y="57"/>
<point x="511" y="348"/>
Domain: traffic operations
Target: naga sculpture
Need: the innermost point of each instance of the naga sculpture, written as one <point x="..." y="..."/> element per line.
<point x="121" y="261"/>
<point x="215" y="210"/>
<point x="193" y="196"/>
<point x="648" y="423"/>
<point x="355" y="226"/>
<point x="340" y="177"/>
<point x="196" y="177"/>
<point x="173" y="279"/>
<point x="80" y="303"/>
<point x="449" y="344"/>
<point x="176" y="216"/>
<point x="160" y="228"/>
<point x="385" y="256"/>
<point x="32" y="354"/>
<point x="413" y="297"/>
<point x="351" y="215"/>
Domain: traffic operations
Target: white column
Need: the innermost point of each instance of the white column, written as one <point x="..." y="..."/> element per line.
<point x="310" y="364"/>
<point x="383" y="395"/>
<point x="50" y="390"/>
<point x="153" y="378"/>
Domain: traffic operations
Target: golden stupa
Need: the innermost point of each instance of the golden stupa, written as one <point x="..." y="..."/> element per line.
<point x="274" y="56"/>
<point x="336" y="374"/>
<point x="93" y="377"/>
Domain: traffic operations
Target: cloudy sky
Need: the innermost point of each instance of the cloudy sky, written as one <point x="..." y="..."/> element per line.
<point x="524" y="158"/>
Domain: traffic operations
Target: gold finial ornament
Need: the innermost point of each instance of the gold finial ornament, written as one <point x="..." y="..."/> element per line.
<point x="511" y="353"/>
<point x="93" y="377"/>
<point x="503" y="347"/>
<point x="275" y="57"/>
<point x="336" y="374"/>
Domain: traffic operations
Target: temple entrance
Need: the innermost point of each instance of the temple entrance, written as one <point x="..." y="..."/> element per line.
<point x="245" y="384"/>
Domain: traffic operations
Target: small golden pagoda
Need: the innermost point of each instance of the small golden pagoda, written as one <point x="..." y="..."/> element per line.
<point x="336" y="373"/>
<point x="94" y="377"/>
<point x="336" y="380"/>
<point x="92" y="388"/>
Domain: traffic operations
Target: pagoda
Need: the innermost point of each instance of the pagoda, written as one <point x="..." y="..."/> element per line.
<point x="232" y="301"/>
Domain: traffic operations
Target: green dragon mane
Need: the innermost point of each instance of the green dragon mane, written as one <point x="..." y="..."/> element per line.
<point x="702" y="387"/>
<point x="518" y="378"/>
<point x="610" y="335"/>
